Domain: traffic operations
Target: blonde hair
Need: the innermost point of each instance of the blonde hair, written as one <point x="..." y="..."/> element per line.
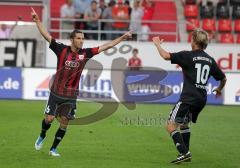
<point x="200" y="38"/>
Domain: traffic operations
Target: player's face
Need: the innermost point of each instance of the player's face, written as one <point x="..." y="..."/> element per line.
<point x="78" y="40"/>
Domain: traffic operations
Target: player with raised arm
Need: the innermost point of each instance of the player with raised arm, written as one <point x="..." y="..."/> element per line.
<point x="197" y="67"/>
<point x="70" y="63"/>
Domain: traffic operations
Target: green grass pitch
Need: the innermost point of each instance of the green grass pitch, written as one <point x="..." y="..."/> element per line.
<point x="126" y="139"/>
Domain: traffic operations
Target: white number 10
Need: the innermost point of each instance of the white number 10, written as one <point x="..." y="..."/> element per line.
<point x="202" y="73"/>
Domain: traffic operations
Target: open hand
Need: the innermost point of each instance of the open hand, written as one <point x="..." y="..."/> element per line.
<point x="35" y="17"/>
<point x="156" y="40"/>
<point x="127" y="35"/>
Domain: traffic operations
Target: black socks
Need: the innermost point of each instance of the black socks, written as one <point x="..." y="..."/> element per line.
<point x="179" y="143"/>
<point x="45" y="127"/>
<point x="185" y="132"/>
<point x="58" y="137"/>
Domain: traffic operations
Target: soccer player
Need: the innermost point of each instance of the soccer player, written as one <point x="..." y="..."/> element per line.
<point x="70" y="63"/>
<point x="197" y="67"/>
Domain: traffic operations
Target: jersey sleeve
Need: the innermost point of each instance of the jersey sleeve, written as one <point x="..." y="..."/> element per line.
<point x="178" y="58"/>
<point x="91" y="52"/>
<point x="56" y="47"/>
<point x="216" y="72"/>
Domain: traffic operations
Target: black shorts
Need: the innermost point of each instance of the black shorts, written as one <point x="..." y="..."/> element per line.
<point x="56" y="104"/>
<point x="183" y="113"/>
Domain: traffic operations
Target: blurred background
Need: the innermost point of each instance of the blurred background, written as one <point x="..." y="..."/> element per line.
<point x="23" y="48"/>
<point x="130" y="137"/>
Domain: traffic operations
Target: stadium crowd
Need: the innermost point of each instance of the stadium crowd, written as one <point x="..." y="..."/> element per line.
<point x="89" y="11"/>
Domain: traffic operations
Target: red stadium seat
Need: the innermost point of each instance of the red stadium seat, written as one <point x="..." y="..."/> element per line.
<point x="226" y="38"/>
<point x="237" y="26"/>
<point x="192" y="23"/>
<point x="209" y="25"/>
<point x="238" y="38"/>
<point x="211" y="36"/>
<point x="224" y="25"/>
<point x="191" y="11"/>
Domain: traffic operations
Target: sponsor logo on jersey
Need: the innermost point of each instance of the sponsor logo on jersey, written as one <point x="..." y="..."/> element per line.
<point x="72" y="64"/>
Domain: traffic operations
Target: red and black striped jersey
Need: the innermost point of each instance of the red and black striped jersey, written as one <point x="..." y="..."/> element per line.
<point x="69" y="68"/>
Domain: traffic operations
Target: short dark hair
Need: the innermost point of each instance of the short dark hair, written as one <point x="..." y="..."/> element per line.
<point x="93" y="1"/>
<point x="74" y="32"/>
<point x="111" y="3"/>
<point x="127" y="2"/>
<point x="135" y="50"/>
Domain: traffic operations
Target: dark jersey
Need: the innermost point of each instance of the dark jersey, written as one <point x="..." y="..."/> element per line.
<point x="69" y="68"/>
<point x="197" y="67"/>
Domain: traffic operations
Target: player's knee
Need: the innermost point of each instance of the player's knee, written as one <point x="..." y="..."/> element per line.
<point x="170" y="127"/>
<point x="49" y="119"/>
<point x="64" y="122"/>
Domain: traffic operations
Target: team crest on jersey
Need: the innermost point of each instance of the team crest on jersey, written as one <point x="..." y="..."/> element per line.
<point x="81" y="57"/>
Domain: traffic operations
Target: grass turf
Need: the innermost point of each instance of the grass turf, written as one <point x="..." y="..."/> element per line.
<point x="126" y="139"/>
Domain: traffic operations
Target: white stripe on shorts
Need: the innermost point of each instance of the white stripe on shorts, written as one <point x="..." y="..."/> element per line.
<point x="174" y="112"/>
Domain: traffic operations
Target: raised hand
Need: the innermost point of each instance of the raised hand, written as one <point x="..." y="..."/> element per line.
<point x="40" y="27"/>
<point x="35" y="17"/>
<point x="127" y="35"/>
<point x="156" y="40"/>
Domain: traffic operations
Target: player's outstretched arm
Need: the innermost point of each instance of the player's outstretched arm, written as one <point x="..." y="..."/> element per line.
<point x="218" y="90"/>
<point x="40" y="27"/>
<point x="157" y="42"/>
<point x="111" y="44"/>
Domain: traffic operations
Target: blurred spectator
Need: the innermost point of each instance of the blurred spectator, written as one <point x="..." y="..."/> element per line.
<point x="127" y="4"/>
<point x="103" y="7"/>
<point x="92" y="15"/>
<point x="206" y="9"/>
<point x="208" y="2"/>
<point x="80" y="6"/>
<point x="6" y="30"/>
<point x="223" y="11"/>
<point x="148" y="10"/>
<point x="136" y="19"/>
<point x="67" y="12"/>
<point x="120" y="12"/>
<point x="107" y="14"/>
<point x="135" y="63"/>
<point x="201" y="2"/>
